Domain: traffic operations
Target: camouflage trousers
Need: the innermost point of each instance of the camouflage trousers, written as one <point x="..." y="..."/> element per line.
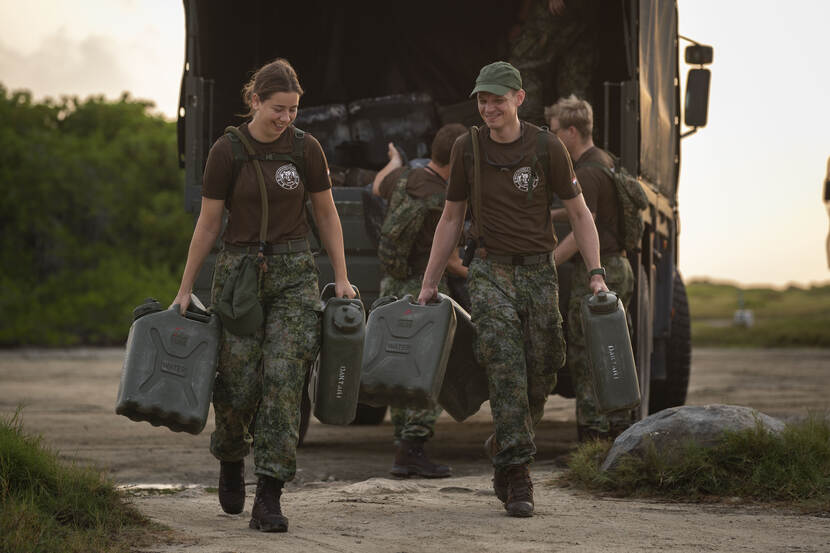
<point x="555" y="56"/>
<point x="619" y="279"/>
<point x="519" y="343"/>
<point x="411" y="424"/>
<point x="259" y="384"/>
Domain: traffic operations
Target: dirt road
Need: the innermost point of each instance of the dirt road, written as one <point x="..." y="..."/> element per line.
<point x="342" y="499"/>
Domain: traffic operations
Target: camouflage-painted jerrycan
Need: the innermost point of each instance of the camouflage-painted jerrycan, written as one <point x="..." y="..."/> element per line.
<point x="337" y="379"/>
<point x="170" y="366"/>
<point x="614" y="373"/>
<point x="406" y="352"/>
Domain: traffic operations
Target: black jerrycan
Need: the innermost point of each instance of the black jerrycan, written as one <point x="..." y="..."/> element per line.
<point x="614" y="373"/>
<point x="406" y="351"/>
<point x="465" y="385"/>
<point x="170" y="366"/>
<point x="336" y="382"/>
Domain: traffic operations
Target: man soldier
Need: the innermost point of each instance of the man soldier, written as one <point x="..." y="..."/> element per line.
<point x="572" y="120"/>
<point x="417" y="189"/>
<point x="512" y="279"/>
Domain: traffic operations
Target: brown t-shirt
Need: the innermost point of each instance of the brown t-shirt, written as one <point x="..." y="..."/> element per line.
<point x="601" y="197"/>
<point x="286" y="193"/>
<point x="513" y="223"/>
<point x="420" y="183"/>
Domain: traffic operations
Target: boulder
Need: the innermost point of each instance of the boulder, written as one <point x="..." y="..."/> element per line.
<point x="671" y="428"/>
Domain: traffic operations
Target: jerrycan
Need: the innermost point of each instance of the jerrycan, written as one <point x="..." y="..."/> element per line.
<point x="336" y="382"/>
<point x="406" y="351"/>
<point x="465" y="382"/>
<point x="169" y="366"/>
<point x="614" y="373"/>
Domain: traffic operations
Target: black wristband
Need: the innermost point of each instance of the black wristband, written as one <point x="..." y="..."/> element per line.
<point x="597" y="271"/>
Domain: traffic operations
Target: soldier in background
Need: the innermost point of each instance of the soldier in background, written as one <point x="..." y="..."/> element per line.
<point x="413" y="427"/>
<point x="572" y="120"/>
<point x="553" y="46"/>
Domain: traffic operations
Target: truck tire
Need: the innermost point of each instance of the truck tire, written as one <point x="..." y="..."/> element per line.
<point x="672" y="391"/>
<point x="368" y="415"/>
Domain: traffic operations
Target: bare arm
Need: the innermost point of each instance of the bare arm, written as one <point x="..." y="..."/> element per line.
<point x="207" y="230"/>
<point x="559" y="214"/>
<point x="395" y="162"/>
<point x="585" y="234"/>
<point x="331" y="234"/>
<point x="443" y="245"/>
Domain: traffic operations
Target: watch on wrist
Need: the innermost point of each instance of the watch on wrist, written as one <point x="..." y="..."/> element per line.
<point x="597" y="271"/>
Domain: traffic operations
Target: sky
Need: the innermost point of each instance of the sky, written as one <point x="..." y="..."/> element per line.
<point x="750" y="191"/>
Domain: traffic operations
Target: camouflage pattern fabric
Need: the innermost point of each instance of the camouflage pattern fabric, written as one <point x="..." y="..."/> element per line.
<point x="259" y="384"/>
<point x="411" y="424"/>
<point x="520" y="344"/>
<point x="555" y="55"/>
<point x="404" y="220"/>
<point x="620" y="279"/>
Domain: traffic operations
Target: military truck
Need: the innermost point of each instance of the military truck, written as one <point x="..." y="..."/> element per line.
<point x="380" y="71"/>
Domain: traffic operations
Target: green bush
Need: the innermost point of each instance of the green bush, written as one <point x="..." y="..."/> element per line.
<point x="47" y="506"/>
<point x="93" y="220"/>
<point x="751" y="464"/>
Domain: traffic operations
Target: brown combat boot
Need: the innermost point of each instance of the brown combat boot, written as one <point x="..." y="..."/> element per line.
<point x="588" y="434"/>
<point x="412" y="460"/>
<point x="266" y="514"/>
<point x="491" y="448"/>
<point x="232" y="486"/>
<point x="519" y="491"/>
<point x="500" y="484"/>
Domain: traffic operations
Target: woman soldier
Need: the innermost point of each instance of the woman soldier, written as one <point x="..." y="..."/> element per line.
<point x="260" y="378"/>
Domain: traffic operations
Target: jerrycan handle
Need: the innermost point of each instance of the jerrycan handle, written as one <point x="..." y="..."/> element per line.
<point x="433" y="301"/>
<point x="193" y="313"/>
<point x="330" y="288"/>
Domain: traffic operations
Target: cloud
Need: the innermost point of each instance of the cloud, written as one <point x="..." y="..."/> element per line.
<point x="93" y="65"/>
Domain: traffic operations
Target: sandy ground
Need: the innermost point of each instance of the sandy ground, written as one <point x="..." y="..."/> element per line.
<point x="342" y="499"/>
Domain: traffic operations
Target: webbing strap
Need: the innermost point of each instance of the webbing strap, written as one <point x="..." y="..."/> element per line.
<point x="475" y="191"/>
<point x="263" y="191"/>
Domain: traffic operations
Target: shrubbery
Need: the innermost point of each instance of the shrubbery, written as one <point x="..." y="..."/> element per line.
<point x="92" y="218"/>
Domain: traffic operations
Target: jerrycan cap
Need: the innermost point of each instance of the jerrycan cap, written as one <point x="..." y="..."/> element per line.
<point x="604" y="302"/>
<point x="347" y="318"/>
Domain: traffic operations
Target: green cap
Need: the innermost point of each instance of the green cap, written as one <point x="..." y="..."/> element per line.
<point x="498" y="78"/>
<point x="238" y="305"/>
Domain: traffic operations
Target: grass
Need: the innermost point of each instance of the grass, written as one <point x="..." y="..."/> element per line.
<point x="753" y="465"/>
<point x="792" y="317"/>
<point x="47" y="505"/>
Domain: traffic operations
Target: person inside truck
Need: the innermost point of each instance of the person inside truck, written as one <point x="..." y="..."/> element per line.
<point x="262" y="363"/>
<point x="512" y="279"/>
<point x="553" y="45"/>
<point x="572" y="120"/>
<point x="413" y="427"/>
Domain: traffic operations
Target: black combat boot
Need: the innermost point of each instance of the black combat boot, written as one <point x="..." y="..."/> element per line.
<point x="266" y="514"/>
<point x="232" y="486"/>
<point x="519" y="491"/>
<point x="412" y="460"/>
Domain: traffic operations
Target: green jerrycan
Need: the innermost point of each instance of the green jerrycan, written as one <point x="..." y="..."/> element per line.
<point x="406" y="352"/>
<point x="336" y="382"/>
<point x="465" y="382"/>
<point x="614" y="373"/>
<point x="170" y="366"/>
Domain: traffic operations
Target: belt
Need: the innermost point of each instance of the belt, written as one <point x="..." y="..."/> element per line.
<point x="292" y="246"/>
<point x="533" y="259"/>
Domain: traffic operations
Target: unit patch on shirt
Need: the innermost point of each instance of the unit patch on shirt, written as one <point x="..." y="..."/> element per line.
<point x="287" y="176"/>
<point x="524" y="178"/>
